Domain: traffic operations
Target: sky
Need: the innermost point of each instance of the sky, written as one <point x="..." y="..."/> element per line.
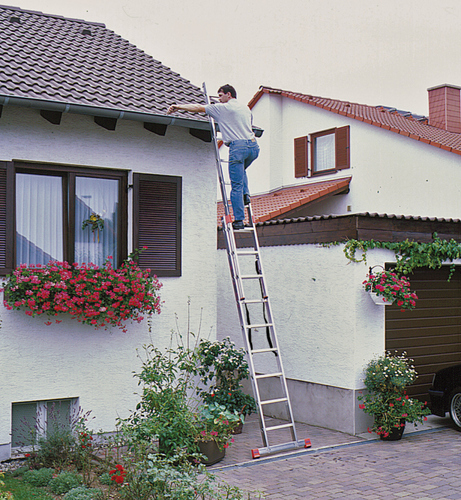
<point x="386" y="52"/>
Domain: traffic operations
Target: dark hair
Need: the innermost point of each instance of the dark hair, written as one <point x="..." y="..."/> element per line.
<point x="228" y="88"/>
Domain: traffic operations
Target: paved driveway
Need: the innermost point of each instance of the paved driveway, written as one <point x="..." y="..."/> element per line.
<point x="422" y="466"/>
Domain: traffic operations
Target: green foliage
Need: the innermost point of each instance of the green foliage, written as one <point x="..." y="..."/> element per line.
<point x="4" y="495"/>
<point x="222" y="367"/>
<point x="389" y="374"/>
<point x="175" y="478"/>
<point x="64" y="482"/>
<point x="55" y="449"/>
<point x="163" y="412"/>
<point x="409" y="254"/>
<point x="105" y="479"/>
<point x="39" y="477"/>
<point x="83" y="493"/>
<point x="22" y="490"/>
<point x="386" y="378"/>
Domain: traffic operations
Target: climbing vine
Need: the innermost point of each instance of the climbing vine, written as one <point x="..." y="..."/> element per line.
<point x="409" y="255"/>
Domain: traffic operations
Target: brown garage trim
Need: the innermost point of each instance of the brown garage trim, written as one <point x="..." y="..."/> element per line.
<point x="364" y="226"/>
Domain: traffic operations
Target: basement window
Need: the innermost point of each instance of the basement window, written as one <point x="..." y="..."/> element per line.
<point x="34" y="419"/>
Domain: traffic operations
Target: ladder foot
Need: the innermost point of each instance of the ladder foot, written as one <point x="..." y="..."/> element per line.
<point x="255" y="453"/>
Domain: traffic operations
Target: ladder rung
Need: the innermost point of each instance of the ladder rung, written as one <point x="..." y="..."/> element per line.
<point x="281" y="426"/>
<point x="251" y="276"/>
<point x="247" y="252"/>
<point x="259" y="351"/>
<point x="269" y="375"/>
<point x="272" y="401"/>
<point x="256" y="301"/>
<point x="262" y="325"/>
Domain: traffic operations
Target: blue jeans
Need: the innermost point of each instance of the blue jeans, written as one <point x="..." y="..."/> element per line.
<point x="242" y="153"/>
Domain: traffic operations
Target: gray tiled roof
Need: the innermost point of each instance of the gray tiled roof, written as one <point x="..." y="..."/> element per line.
<point x="69" y="61"/>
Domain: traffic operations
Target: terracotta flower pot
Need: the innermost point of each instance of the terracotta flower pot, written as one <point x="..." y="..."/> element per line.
<point x="212" y="452"/>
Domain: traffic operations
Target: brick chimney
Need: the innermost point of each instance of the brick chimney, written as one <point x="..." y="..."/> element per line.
<point x="445" y="107"/>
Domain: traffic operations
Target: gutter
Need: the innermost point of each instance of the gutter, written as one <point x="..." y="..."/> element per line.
<point x="82" y="109"/>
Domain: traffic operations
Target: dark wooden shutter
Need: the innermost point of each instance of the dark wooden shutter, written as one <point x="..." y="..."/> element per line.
<point x="157" y="222"/>
<point x="301" y="169"/>
<point x="6" y="217"/>
<point x="342" y="148"/>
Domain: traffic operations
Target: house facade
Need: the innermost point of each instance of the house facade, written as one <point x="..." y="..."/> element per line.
<point x="330" y="171"/>
<point x="83" y="131"/>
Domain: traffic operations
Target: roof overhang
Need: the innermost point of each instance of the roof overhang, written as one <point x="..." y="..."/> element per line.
<point x="96" y="111"/>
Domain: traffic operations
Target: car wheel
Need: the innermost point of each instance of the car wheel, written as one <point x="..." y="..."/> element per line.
<point x="455" y="407"/>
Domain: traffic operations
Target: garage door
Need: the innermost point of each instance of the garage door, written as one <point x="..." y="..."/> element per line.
<point x="431" y="333"/>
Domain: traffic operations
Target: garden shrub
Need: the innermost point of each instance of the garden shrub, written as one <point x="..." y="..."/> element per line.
<point x="64" y="482"/>
<point x="55" y="450"/>
<point x="105" y="479"/>
<point x="83" y="493"/>
<point x="39" y="477"/>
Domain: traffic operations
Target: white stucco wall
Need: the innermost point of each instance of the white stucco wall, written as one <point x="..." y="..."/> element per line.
<point x="72" y="360"/>
<point x="390" y="173"/>
<point x="327" y="326"/>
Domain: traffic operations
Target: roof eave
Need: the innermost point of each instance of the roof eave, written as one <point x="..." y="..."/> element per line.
<point x="81" y="109"/>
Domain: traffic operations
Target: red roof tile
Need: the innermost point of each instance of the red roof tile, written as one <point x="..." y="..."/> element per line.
<point x="415" y="127"/>
<point x="282" y="201"/>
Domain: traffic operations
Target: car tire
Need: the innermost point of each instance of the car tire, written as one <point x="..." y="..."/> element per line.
<point x="455" y="407"/>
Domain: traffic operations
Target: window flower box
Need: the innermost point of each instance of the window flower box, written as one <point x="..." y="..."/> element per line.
<point x="98" y="296"/>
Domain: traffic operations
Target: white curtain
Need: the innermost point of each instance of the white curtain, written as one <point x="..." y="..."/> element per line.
<point x="99" y="197"/>
<point x="325" y="152"/>
<point x="39" y="219"/>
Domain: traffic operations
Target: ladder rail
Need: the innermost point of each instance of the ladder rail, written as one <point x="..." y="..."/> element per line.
<point x="233" y="253"/>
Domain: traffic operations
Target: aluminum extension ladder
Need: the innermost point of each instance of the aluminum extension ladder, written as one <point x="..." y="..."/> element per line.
<point x="265" y="363"/>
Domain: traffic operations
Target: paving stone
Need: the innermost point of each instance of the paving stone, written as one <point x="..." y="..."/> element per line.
<point x="419" y="467"/>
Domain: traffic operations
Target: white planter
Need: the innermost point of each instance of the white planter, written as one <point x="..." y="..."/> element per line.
<point x="379" y="300"/>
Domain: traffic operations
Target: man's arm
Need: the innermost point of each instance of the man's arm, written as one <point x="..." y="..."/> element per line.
<point x="193" y="108"/>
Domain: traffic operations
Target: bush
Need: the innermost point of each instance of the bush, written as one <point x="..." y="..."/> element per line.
<point x="83" y="493"/>
<point x="55" y="449"/>
<point x="105" y="479"/>
<point x="64" y="482"/>
<point x="40" y="477"/>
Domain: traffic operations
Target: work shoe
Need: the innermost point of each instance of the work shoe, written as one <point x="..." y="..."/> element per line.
<point x="246" y="199"/>
<point x="238" y="224"/>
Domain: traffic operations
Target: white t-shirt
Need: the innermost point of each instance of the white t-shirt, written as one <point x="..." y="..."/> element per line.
<point x="234" y="119"/>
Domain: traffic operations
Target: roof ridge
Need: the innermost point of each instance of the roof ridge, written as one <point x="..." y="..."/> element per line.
<point x="56" y="16"/>
<point x="400" y="122"/>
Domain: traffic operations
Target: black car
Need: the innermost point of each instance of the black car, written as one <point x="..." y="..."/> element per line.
<point x="445" y="394"/>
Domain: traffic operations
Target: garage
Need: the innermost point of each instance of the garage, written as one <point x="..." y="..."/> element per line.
<point x="431" y="333"/>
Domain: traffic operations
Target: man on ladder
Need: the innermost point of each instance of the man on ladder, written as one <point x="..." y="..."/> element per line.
<point x="235" y="124"/>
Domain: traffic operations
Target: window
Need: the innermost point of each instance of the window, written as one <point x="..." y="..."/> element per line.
<point x="329" y="152"/>
<point x="34" y="419"/>
<point x="43" y="208"/>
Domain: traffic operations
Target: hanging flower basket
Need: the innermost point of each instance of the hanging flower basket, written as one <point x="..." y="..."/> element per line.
<point x="392" y="288"/>
<point x="379" y="300"/>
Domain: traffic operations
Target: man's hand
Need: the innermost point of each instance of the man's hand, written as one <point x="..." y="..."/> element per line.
<point x="192" y="108"/>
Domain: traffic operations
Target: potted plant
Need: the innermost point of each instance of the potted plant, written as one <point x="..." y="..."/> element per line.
<point x="390" y="288"/>
<point x="214" y="425"/>
<point x="386" y="379"/>
<point x="222" y="367"/>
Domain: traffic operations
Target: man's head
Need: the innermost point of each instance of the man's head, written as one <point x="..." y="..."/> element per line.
<point x="228" y="92"/>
